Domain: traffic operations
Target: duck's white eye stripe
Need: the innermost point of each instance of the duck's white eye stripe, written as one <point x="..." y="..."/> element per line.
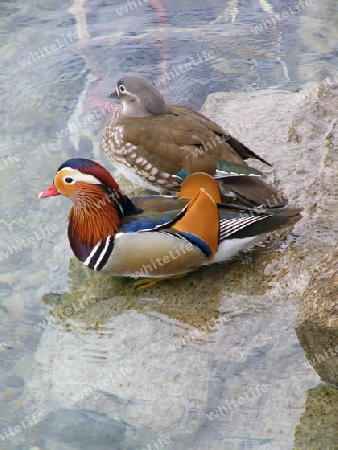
<point x="79" y="176"/>
<point x="121" y="88"/>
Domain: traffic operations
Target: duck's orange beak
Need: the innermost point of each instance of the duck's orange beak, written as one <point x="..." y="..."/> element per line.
<point x="49" y="192"/>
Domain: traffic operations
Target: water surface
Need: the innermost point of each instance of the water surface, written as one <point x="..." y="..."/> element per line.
<point x="184" y="355"/>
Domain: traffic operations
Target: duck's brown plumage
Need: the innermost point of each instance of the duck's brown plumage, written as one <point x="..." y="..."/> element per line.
<point x="151" y="143"/>
<point x="93" y="217"/>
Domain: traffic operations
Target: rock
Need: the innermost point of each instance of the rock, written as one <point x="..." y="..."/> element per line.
<point x="318" y="425"/>
<point x="185" y="349"/>
<point x="317" y="327"/>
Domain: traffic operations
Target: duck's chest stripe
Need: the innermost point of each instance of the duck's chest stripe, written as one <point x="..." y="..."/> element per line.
<point x="100" y="254"/>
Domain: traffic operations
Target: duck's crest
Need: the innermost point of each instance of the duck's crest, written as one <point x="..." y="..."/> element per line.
<point x="90" y="167"/>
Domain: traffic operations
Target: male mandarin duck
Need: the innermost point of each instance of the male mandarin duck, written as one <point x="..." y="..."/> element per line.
<point x="157" y="146"/>
<point x="155" y="236"/>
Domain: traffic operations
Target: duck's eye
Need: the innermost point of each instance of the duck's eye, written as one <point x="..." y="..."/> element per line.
<point x="122" y="89"/>
<point x="69" y="180"/>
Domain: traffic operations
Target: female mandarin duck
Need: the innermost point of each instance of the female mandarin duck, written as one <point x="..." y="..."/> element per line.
<point x="156" y="145"/>
<point x="155" y="236"/>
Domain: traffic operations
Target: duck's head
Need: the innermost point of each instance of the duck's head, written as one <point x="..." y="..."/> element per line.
<point x="98" y="203"/>
<point x="77" y="176"/>
<point x="139" y="97"/>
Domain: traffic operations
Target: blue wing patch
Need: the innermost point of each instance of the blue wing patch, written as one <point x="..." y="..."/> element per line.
<point x="182" y="174"/>
<point x="198" y="242"/>
<point x="140" y="222"/>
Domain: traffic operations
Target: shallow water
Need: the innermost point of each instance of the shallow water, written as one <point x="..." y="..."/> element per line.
<point x="183" y="350"/>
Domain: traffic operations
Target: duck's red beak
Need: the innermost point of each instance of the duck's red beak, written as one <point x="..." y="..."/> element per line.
<point x="49" y="192"/>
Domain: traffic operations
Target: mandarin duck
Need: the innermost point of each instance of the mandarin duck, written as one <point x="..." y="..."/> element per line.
<point x="156" y="236"/>
<point x="157" y="146"/>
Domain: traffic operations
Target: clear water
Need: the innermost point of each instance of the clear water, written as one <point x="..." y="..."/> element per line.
<point x="58" y="63"/>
